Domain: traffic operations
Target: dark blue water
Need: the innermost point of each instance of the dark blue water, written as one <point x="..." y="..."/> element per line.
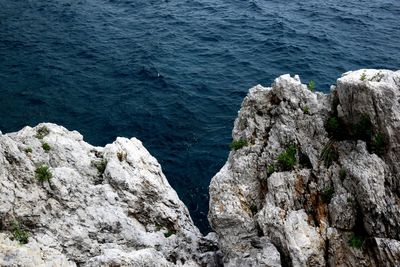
<point x="173" y="73"/>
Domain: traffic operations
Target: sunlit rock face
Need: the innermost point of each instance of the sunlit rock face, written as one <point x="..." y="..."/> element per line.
<point x="315" y="180"/>
<point x="80" y="205"/>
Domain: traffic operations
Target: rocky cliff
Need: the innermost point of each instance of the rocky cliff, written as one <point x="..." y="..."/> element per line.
<point x="64" y="202"/>
<point x="313" y="179"/>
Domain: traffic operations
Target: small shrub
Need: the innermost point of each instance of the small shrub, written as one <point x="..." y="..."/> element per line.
<point x="378" y="145"/>
<point x="335" y="128"/>
<point x="238" y="144"/>
<point x="101" y="166"/>
<point x="28" y="150"/>
<point x="350" y="200"/>
<point x="356" y="241"/>
<point x="19" y="234"/>
<point x="311" y="86"/>
<point x="342" y="174"/>
<point x="287" y="159"/>
<point x="43" y="173"/>
<point x="46" y="147"/>
<point x="363" y="77"/>
<point x="327" y="194"/>
<point x="121" y="156"/>
<point x="306" y="110"/>
<point x="42" y="132"/>
<point x="329" y="154"/>
<point x="169" y="233"/>
<point x="363" y="129"/>
<point x="270" y="170"/>
<point x="332" y="124"/>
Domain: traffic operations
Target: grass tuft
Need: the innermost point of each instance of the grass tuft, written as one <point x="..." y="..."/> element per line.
<point x="311" y="85"/>
<point x="270" y="170"/>
<point x="43" y="173"/>
<point x="169" y="233"/>
<point x="19" y="234"/>
<point x="356" y="241"/>
<point x="329" y="154"/>
<point x="363" y="129"/>
<point x="287" y="159"/>
<point x="101" y="166"/>
<point x="42" y="132"/>
<point x="363" y="77"/>
<point x="46" y="147"/>
<point x="238" y="144"/>
<point x="335" y="128"/>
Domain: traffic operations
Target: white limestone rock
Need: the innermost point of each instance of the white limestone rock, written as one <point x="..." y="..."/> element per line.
<point x="339" y="192"/>
<point x="102" y="207"/>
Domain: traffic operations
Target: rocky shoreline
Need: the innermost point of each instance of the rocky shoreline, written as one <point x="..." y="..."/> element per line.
<point x="74" y="204"/>
<point x="317" y="183"/>
<point x="313" y="179"/>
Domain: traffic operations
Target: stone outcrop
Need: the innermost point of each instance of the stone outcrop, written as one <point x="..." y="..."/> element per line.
<point x="315" y="178"/>
<point x="74" y="204"/>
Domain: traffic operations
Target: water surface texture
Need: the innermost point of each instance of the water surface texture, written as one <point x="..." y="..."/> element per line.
<point x="173" y="73"/>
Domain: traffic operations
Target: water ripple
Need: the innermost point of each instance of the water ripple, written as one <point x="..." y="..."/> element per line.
<point x="173" y="73"/>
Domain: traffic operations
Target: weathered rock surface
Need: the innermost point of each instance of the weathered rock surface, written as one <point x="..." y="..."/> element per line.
<point x="339" y="204"/>
<point x="108" y="206"/>
<point x="316" y="183"/>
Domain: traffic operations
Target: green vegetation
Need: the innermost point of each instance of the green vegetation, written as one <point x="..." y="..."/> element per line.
<point x="306" y="110"/>
<point x="42" y="132"/>
<point x="350" y="200"/>
<point x="356" y="241"/>
<point x="363" y="77"/>
<point x="43" y="173"/>
<point x="46" y="147"/>
<point x="28" y="150"/>
<point x="287" y="159"/>
<point x="363" y="128"/>
<point x="101" y="166"/>
<point x="19" y="234"/>
<point x="378" y="144"/>
<point x="327" y="194"/>
<point x="329" y="154"/>
<point x="332" y="125"/>
<point x="342" y="174"/>
<point x="311" y="86"/>
<point x="238" y="144"/>
<point x="270" y="170"/>
<point x="121" y="156"/>
<point x="169" y="233"/>
<point x="335" y="128"/>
